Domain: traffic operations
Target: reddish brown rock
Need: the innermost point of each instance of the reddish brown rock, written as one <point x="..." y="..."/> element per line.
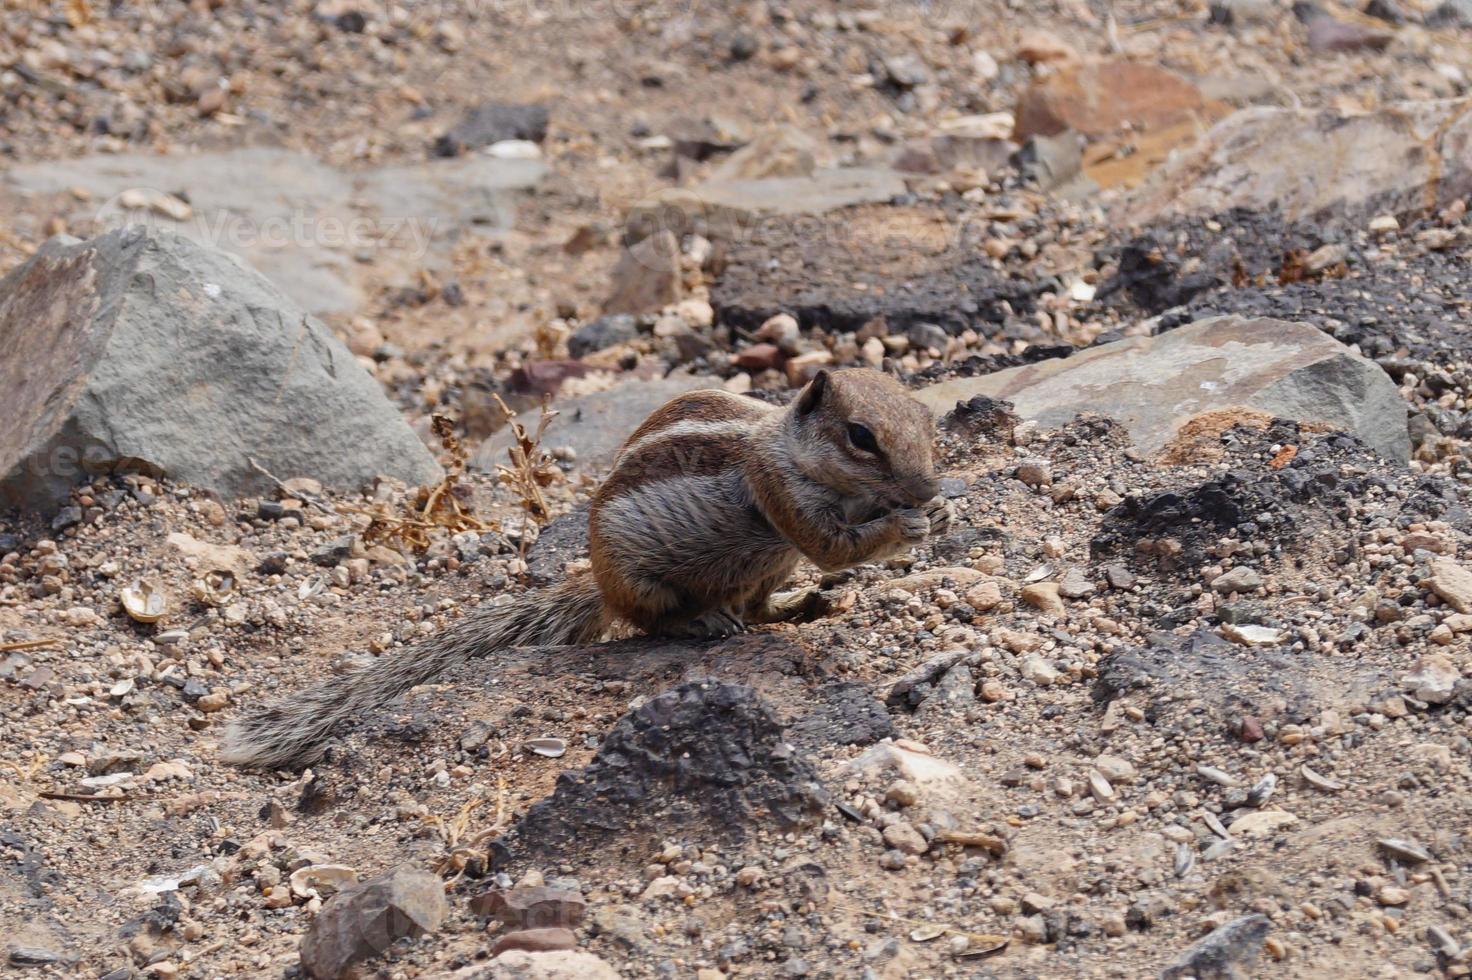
<point x="537" y="907"/>
<point x="759" y="357"/>
<point x="1102" y="98"/>
<point x="536" y="941"/>
<point x="364" y="920"/>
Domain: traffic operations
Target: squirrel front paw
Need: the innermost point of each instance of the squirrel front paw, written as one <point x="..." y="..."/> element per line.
<point x="913" y="524"/>
<point x="940" y="512"/>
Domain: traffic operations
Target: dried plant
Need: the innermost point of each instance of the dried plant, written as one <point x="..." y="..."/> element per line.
<point x="532" y="467"/>
<point x="445" y="505"/>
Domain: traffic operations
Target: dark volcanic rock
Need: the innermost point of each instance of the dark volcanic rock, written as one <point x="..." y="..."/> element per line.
<point x="1226" y="953"/>
<point x="615" y="328"/>
<point x="982" y="417"/>
<point x="1279" y="504"/>
<point x="808" y="267"/>
<point x="1177" y="260"/>
<point x="493" y="122"/>
<point x="843" y="713"/>
<point x="1172" y="677"/>
<point x="562" y="541"/>
<point x="367" y="918"/>
<point x="707" y="759"/>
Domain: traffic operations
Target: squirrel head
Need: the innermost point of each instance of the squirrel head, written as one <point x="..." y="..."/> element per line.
<point x="861" y="434"/>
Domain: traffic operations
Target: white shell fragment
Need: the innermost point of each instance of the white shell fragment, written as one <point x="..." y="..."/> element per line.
<point x="144" y="601"/>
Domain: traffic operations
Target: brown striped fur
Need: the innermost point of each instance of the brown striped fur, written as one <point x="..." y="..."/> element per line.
<point x="711" y="504"/>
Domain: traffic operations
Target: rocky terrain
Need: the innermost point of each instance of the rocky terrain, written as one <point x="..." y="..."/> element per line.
<point x="1185" y="691"/>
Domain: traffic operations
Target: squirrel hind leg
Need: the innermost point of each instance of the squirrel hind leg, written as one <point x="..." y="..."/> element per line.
<point x="713" y="624"/>
<point x="798" y="606"/>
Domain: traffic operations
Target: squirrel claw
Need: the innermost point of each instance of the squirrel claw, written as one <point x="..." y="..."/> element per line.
<point x="713" y="625"/>
<point x="940" y="512"/>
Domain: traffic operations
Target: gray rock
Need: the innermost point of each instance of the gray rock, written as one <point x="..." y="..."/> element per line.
<point x="1052" y="161"/>
<point x="1155" y="385"/>
<point x="492" y="122"/>
<point x="596" y="425"/>
<point x="1310" y="164"/>
<point x="647" y="276"/>
<point x="290" y="216"/>
<point x="142" y="350"/>
<point x="602" y="333"/>
<point x="1452" y="13"/>
<point x="33" y="956"/>
<point x="782" y="151"/>
<point x="364" y="920"/>
<point x="727" y="209"/>
<point x="1226" y="953"/>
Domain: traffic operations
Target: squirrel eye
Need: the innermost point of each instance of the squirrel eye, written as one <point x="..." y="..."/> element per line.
<point x="862" y="438"/>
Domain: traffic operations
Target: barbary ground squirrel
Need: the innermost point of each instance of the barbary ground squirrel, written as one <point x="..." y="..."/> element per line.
<point x="710" y="505"/>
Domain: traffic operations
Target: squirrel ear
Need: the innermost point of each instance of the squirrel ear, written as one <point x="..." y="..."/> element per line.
<point x="812" y="395"/>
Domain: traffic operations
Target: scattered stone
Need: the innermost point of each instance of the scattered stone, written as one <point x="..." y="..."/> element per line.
<point x="782" y="151"/>
<point x="1329" y="33"/>
<point x="1405" y="851"/>
<point x="727" y="210"/>
<point x="1434" y="680"/>
<point x="535" y="941"/>
<point x="984" y="596"/>
<point x="1099" y="99"/>
<point x="493" y="122"/>
<point x="1074" y="584"/>
<point x="1115" y="769"/>
<point x="1044" y="597"/>
<point x="33" y="956"/>
<point x="1452" y="584"/>
<point x="1040" y="671"/>
<point x="905" y="838"/>
<point x="1261" y="823"/>
<point x="1253" y="636"/>
<point x="538" y="907"/>
<point x="647" y="276"/>
<point x="520" y="964"/>
<point x="1228" y="952"/>
<point x="1239" y="579"/>
<point x="363" y="921"/>
<point x="602" y="333"/>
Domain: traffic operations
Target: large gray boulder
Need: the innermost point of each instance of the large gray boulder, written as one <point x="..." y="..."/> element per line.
<point x="142" y="350"/>
<point x="1317" y="164"/>
<point x="1155" y="385"/>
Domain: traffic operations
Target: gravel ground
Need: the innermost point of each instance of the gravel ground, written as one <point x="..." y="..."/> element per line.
<point x="1122" y="704"/>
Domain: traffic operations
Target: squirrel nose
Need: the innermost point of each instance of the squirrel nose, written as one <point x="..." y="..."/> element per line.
<point x="922" y="491"/>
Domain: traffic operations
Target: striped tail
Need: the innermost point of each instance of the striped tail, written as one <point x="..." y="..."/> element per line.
<point x="293" y="731"/>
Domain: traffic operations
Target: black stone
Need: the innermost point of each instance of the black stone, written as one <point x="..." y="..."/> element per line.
<point x="602" y="333"/>
<point x="492" y="122"/>
<point x="706" y="758"/>
<point x="66" y="517"/>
